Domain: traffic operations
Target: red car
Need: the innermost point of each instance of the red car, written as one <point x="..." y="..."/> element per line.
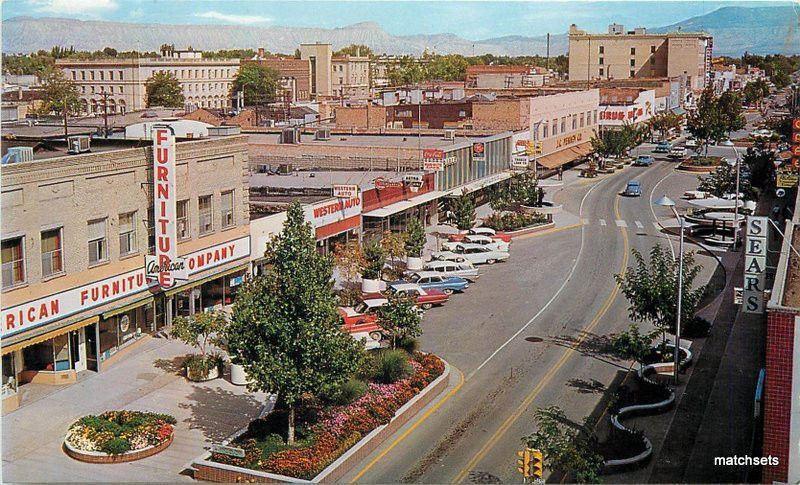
<point x="361" y="321"/>
<point x="425" y="298"/>
<point x="482" y="231"/>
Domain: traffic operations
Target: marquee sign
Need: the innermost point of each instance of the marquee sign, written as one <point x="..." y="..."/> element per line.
<point x="755" y="264"/>
<point x="165" y="267"/>
<point x="32" y="314"/>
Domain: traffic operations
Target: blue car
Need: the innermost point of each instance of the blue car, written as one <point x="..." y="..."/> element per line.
<point x="633" y="189"/>
<point x="434" y="280"/>
<point x="663" y="147"/>
<point x="644" y="160"/>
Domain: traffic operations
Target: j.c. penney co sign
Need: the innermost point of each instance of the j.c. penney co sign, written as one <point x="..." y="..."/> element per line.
<point x="34" y="313"/>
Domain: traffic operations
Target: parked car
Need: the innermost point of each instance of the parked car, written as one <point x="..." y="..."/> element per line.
<point x="695" y="194"/>
<point x="361" y="321"/>
<point x="633" y="189"/>
<point x="425" y="298"/>
<point x="487" y="241"/>
<point x="433" y="280"/>
<point x="663" y="147"/>
<point x="691" y="142"/>
<point x="464" y="269"/>
<point x="488" y="231"/>
<point x="474" y="253"/>
<point x="644" y="160"/>
<point x="761" y="133"/>
<point x="677" y="152"/>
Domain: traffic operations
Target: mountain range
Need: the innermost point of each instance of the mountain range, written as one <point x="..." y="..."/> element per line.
<point x="759" y="30"/>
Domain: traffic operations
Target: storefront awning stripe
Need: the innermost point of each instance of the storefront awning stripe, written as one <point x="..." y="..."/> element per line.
<point x="208" y="278"/>
<point x="128" y="307"/>
<point x="47" y="336"/>
<point x="565" y="156"/>
<point x="405" y="204"/>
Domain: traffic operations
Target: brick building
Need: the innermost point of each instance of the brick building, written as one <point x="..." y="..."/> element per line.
<point x="295" y="74"/>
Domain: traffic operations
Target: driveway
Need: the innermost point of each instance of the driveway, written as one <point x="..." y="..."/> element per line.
<point x="146" y="380"/>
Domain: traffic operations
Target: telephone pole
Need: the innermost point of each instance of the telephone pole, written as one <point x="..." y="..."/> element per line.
<point x="66" y="129"/>
<point x="105" y="113"/>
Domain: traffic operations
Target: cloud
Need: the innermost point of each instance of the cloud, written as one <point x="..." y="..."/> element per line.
<point x="90" y="7"/>
<point x="232" y="18"/>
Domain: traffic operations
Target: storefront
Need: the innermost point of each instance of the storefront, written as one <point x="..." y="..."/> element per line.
<point x="335" y="221"/>
<point x="391" y="204"/>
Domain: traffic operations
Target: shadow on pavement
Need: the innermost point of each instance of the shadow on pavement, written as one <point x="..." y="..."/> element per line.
<point x="211" y="408"/>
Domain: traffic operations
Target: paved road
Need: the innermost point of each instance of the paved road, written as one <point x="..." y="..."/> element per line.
<point x="513" y="335"/>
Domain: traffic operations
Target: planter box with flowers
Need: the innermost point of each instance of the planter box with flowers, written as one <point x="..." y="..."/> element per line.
<point x="119" y="436"/>
<point x="200" y="331"/>
<point x="339" y="437"/>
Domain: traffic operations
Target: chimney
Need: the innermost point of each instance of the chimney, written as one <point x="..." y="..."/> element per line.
<point x="260" y="52"/>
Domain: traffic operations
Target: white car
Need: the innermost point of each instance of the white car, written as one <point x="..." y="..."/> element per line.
<point x="464" y="269"/>
<point x="691" y="143"/>
<point x="485" y="231"/>
<point x="695" y="194"/>
<point x="487" y="241"/>
<point x="761" y="134"/>
<point x="474" y="253"/>
<point x="677" y="152"/>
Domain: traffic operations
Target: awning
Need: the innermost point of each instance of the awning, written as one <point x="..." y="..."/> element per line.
<point x="715" y="203"/>
<point x="679" y="111"/>
<point x="480" y="183"/>
<point x="175" y="291"/>
<point x="128" y="307"/>
<point x="405" y="204"/>
<point x="565" y="156"/>
<point x="47" y="336"/>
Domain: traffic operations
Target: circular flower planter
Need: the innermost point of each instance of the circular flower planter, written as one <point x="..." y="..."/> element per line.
<point x="213" y="373"/>
<point x="119" y="436"/>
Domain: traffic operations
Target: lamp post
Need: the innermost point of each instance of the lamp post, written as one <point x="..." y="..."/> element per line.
<point x="667" y="202"/>
<point x="736" y="163"/>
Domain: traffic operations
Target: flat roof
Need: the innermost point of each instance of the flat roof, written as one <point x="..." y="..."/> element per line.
<point x="393" y="141"/>
<point x="321" y="179"/>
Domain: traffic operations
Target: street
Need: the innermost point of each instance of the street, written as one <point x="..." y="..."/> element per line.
<point x="530" y="333"/>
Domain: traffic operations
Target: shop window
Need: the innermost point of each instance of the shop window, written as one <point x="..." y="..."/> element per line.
<point x="226" y="209"/>
<point x="61" y="352"/>
<point x="52" y="254"/>
<point x="98" y="244"/>
<point x="109" y="339"/>
<point x="13" y="256"/>
<point x="182" y="219"/>
<point x="127" y="234"/>
<point x="9" y="376"/>
<point x="205" y="215"/>
<point x="39" y="356"/>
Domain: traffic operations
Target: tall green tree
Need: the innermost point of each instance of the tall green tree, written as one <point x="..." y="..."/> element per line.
<point x="664" y="122"/>
<point x="164" y="89"/>
<point x="259" y="83"/>
<point x="760" y="160"/>
<point x="463" y="209"/>
<point x="651" y="288"/>
<point x="354" y="49"/>
<point x="616" y="142"/>
<point x="400" y="318"/>
<point x="59" y="94"/>
<point x="729" y="106"/>
<point x="415" y="238"/>
<point x="755" y="91"/>
<point x="285" y="328"/>
<point x="722" y="181"/>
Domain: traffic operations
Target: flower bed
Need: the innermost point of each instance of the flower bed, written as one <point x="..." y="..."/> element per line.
<point x="512" y="221"/>
<point x="115" y="433"/>
<point x="333" y="430"/>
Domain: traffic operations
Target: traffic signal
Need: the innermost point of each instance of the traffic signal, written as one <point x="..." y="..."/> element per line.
<point x="536" y="464"/>
<point x="524" y="462"/>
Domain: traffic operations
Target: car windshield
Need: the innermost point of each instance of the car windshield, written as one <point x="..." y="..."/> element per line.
<point x="361" y="307"/>
<point x="414" y="278"/>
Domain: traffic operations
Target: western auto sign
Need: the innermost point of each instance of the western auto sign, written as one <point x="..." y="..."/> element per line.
<point x="345" y="191"/>
<point x="332" y="211"/>
<point x="755" y="264"/>
<point x="165" y="267"/>
<point x="32" y="314"/>
<point x="479" y="152"/>
<point x="433" y="154"/>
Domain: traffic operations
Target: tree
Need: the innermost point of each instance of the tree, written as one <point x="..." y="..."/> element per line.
<point x="374" y="260"/>
<point x="285" y="328"/>
<point x="393" y="245"/>
<point x="200" y="330"/>
<point x="164" y="89"/>
<point x="59" y="94"/>
<point x="400" y="318"/>
<point x="259" y="83"/>
<point x="755" y="91"/>
<point x="463" y="209"/>
<point x="731" y="112"/>
<point x="566" y="448"/>
<point x="759" y="159"/>
<point x="349" y="259"/>
<point x="616" y="142"/>
<point x="722" y="181"/>
<point x="354" y="50"/>
<point x="664" y="122"/>
<point x="633" y="344"/>
<point x="704" y="123"/>
<point x="652" y="288"/>
<point x="415" y="238"/>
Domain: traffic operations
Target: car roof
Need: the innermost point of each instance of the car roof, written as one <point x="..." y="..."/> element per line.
<point x="407" y="286"/>
<point x="373" y="302"/>
<point x="471" y="245"/>
<point x="425" y="274"/>
<point x="633" y="182"/>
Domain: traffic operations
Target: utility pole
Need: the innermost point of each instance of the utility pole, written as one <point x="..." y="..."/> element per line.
<point x="547" y="62"/>
<point x="105" y="112"/>
<point x="66" y="130"/>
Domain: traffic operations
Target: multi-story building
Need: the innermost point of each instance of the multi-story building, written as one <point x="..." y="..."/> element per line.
<point x="350" y="76"/>
<point x="621" y="106"/>
<point x="319" y="56"/>
<point x="74" y="291"/>
<point x="120" y="83"/>
<point x="638" y="54"/>
<point x="295" y="74"/>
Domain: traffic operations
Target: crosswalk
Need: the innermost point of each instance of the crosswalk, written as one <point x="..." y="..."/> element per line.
<point x="639" y="226"/>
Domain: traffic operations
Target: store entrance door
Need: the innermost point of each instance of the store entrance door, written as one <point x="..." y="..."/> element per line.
<point x="90" y="344"/>
<point x="77" y="346"/>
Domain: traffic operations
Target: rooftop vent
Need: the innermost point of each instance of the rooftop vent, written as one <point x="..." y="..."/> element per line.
<point x="78" y="144"/>
<point x="18" y="154"/>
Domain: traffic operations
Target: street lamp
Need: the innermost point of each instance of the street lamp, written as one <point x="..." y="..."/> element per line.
<point x="667" y="202"/>
<point x="735" y="163"/>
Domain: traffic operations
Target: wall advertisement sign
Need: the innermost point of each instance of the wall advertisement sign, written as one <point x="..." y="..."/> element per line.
<point x="432" y="165"/>
<point x="519" y="161"/>
<point x="755" y="264"/>
<point x="479" y="152"/>
<point x="32" y="314"/>
<point x="345" y="191"/>
<point x="331" y="211"/>
<point x="165" y="267"/>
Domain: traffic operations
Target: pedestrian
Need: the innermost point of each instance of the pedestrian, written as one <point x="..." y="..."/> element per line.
<point x="560" y="173"/>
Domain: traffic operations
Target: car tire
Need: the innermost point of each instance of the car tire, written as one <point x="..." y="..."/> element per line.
<point x="490" y="261"/>
<point x="426" y="306"/>
<point x="448" y="291"/>
<point x="376" y="336"/>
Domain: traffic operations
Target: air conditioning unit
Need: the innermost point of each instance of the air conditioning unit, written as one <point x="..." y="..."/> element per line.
<point x="450" y="135"/>
<point x="290" y="136"/>
<point x="323" y="134"/>
<point x="78" y="144"/>
<point x="18" y="154"/>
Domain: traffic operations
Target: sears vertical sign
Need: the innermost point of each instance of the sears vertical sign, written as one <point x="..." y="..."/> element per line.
<point x="165" y="267"/>
<point x="755" y="264"/>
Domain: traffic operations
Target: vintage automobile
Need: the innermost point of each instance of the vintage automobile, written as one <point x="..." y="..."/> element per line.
<point x="677" y="152"/>
<point x="474" y="253"/>
<point x="361" y="321"/>
<point x="644" y="160"/>
<point x="633" y="189"/>
<point x="433" y="280"/>
<point x="481" y="231"/>
<point x="464" y="269"/>
<point x="487" y="241"/>
<point x="662" y="147"/>
<point x="425" y="298"/>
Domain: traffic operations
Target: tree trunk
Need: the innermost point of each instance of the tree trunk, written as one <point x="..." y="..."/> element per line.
<point x="290" y="433"/>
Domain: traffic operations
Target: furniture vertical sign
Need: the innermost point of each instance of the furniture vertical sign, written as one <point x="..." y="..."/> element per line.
<point x="165" y="267"/>
<point x="755" y="264"/>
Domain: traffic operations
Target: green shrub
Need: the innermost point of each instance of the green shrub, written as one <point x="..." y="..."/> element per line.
<point x="350" y="391"/>
<point x="511" y="221"/>
<point x="199" y="367"/>
<point x="390" y="366"/>
<point x="408" y="344"/>
<point x="115" y="446"/>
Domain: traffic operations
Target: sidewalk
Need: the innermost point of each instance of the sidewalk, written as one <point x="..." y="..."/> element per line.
<point x="146" y="380"/>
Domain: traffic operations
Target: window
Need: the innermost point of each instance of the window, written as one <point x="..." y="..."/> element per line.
<point x="633" y="73"/>
<point x="120" y="90"/>
<point x="544" y="130"/>
<point x="83" y="75"/>
<point x="602" y="49"/>
<point x="182" y="219"/>
<point x="600" y="61"/>
<point x="112" y="89"/>
<point x="555" y="127"/>
<point x="563" y="124"/>
<point x="13" y="256"/>
<point x="594" y="117"/>
<point x="91" y="75"/>
<point x="120" y="77"/>
<point x="404" y="114"/>
<point x="111" y="75"/>
<point x="98" y="245"/>
<point x="602" y="72"/>
<point x="633" y="62"/>
<point x="52" y="257"/>
<point x="127" y="234"/>
<point x="652" y="49"/>
<point x="588" y="118"/>
<point x="574" y="122"/>
<point x="226" y="209"/>
<point x="74" y="75"/>
<point x="102" y="75"/>
<point x="205" y="215"/>
<point x="582" y="120"/>
<point x="633" y="51"/>
<point x="652" y="60"/>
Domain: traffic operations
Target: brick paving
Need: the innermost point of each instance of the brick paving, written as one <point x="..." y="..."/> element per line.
<point x="146" y="380"/>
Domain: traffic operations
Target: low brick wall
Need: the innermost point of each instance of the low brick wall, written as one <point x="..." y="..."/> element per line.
<point x="697" y="168"/>
<point x="204" y="469"/>
<point x="124" y="458"/>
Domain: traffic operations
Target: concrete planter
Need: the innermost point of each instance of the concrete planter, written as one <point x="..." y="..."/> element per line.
<point x="213" y="373"/>
<point x="100" y="457"/>
<point x="238" y="375"/>
<point x="370" y="286"/>
<point x="528" y="230"/>
<point x="414" y="263"/>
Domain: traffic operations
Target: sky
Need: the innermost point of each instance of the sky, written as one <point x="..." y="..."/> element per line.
<point x="469" y="19"/>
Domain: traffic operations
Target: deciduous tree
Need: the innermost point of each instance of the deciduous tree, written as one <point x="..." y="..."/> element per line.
<point x="400" y="318"/>
<point x="59" y="94"/>
<point x="164" y="89"/>
<point x="415" y="238"/>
